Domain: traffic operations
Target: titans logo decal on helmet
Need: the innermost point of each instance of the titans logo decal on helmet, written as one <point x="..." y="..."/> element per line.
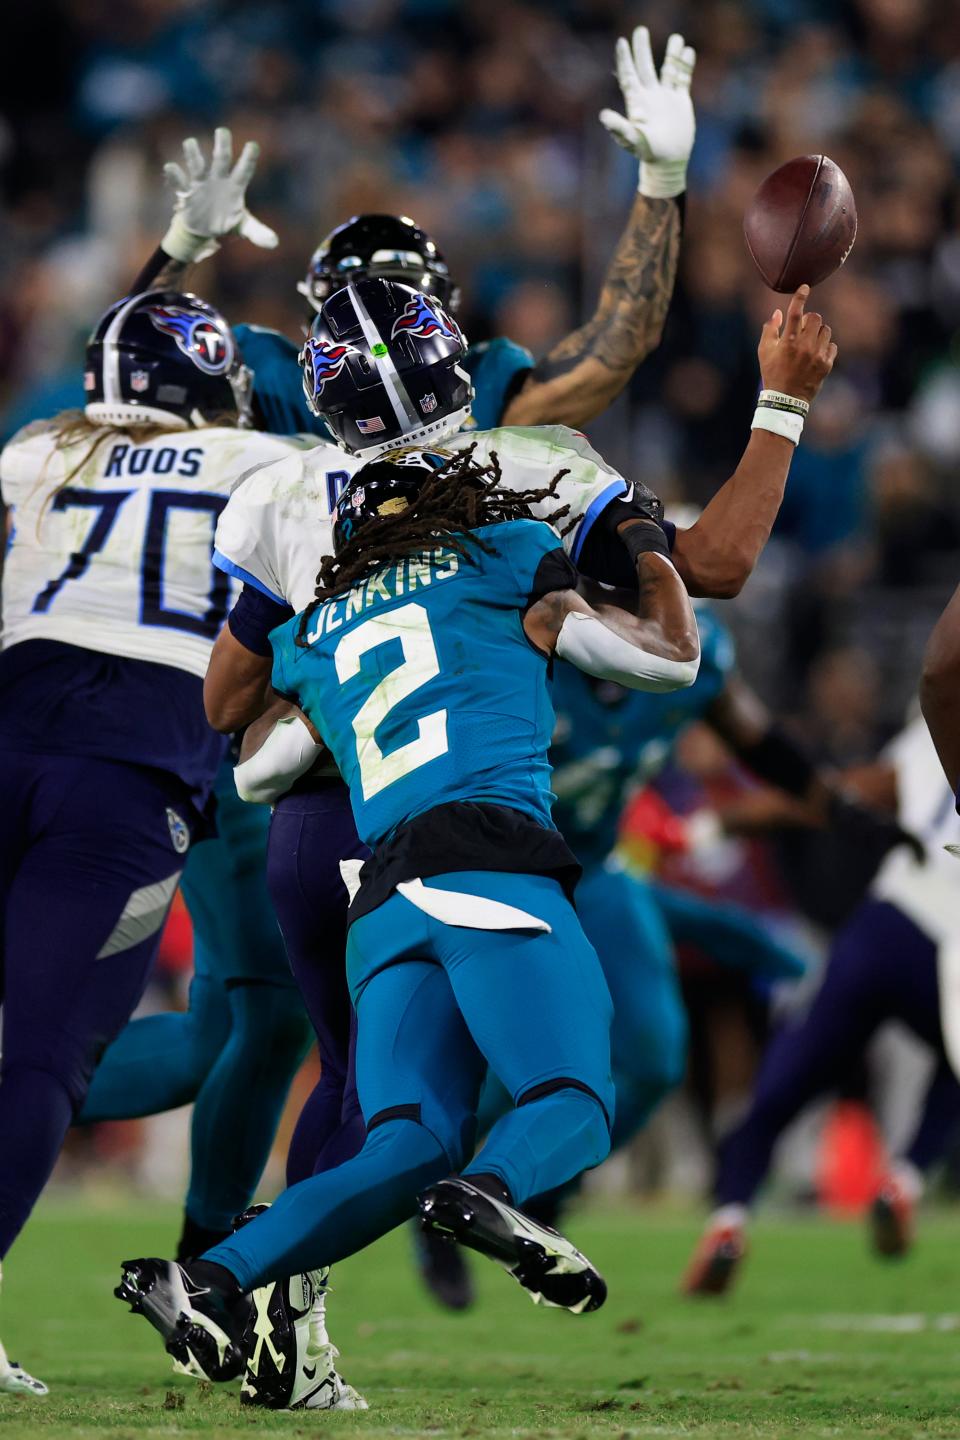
<point x="423" y="316"/>
<point x="322" y="360"/>
<point x="210" y="348"/>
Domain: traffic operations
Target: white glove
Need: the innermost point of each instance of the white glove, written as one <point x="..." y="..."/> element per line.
<point x="212" y="203"/>
<point x="659" y="125"/>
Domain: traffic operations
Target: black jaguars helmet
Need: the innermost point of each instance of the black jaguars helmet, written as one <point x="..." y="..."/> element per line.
<point x="383" y="365"/>
<point x="385" y="486"/>
<point x="163" y="358"/>
<point x="389" y="246"/>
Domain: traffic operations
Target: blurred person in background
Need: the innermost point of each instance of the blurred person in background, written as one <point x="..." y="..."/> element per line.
<point x="887" y="963"/>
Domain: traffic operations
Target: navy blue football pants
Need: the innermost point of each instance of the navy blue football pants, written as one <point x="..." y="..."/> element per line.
<point x="235" y="1050"/>
<point x="90" y="855"/>
<point x="309" y="835"/>
<point x="882" y="967"/>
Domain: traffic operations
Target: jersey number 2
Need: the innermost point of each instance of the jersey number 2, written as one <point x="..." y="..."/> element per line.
<point x="410" y="625"/>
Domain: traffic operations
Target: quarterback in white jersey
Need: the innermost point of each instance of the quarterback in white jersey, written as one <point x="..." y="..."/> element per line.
<point x="279" y="519"/>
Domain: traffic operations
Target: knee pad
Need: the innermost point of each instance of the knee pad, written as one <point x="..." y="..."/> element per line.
<point x="456" y="1136"/>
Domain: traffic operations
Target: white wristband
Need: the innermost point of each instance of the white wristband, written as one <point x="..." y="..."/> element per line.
<point x="662" y="179"/>
<point x="780" y="414"/>
<point x="778" y="422"/>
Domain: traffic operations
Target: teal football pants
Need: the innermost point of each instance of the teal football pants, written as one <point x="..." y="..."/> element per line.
<point x="235" y="1050"/>
<point x="633" y="925"/>
<point x="436" y="1004"/>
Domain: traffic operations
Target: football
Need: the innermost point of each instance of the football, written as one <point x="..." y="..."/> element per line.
<point x="801" y="224"/>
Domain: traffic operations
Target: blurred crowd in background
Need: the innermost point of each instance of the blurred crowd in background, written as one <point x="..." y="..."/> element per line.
<point x="478" y="119"/>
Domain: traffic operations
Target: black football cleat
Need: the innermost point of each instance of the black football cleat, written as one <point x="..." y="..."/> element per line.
<point x="202" y="1328"/>
<point x="443" y="1268"/>
<point x="551" y="1269"/>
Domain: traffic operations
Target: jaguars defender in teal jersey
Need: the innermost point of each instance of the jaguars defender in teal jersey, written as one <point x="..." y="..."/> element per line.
<point x="423" y="665"/>
<point x="242" y="1004"/>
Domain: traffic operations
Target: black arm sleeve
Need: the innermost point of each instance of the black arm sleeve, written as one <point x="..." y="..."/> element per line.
<point x="252" y="619"/>
<point x="777" y="758"/>
<point x="556" y="571"/>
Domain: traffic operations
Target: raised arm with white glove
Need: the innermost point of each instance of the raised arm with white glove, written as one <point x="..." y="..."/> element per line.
<point x="659" y="125"/>
<point x="211" y="203"/>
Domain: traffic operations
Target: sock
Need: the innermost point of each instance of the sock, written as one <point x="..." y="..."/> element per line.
<point x="729" y="1217"/>
<point x="491" y="1185"/>
<point x="195" y="1239"/>
<point x="215" y="1277"/>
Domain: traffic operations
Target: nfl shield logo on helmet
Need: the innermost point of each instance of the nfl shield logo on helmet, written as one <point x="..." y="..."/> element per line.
<point x="140" y="381"/>
<point x="179" y="831"/>
<point x="357" y="497"/>
<point x="428" y="404"/>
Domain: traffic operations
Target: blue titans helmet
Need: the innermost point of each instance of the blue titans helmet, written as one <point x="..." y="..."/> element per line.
<point x="162" y="358"/>
<point x="383" y="364"/>
<point x="389" y="246"/>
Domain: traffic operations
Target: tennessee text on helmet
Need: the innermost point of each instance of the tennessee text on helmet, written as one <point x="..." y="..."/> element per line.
<point x="164" y="358"/>
<point x="383" y="364"/>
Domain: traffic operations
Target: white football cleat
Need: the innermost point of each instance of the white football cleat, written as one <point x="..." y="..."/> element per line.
<point x="14" y="1380"/>
<point x="290" y="1361"/>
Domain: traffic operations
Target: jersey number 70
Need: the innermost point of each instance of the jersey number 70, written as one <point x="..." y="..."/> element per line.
<point x="108" y="504"/>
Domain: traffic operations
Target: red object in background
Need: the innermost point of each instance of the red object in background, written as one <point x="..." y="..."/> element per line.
<point x="175" y="956"/>
<point x="649" y="817"/>
<point x="852" y="1159"/>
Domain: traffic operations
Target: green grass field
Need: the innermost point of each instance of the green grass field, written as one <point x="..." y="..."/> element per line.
<point x="820" y="1340"/>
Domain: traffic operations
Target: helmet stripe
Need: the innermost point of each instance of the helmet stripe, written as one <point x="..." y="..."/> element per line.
<point x="407" y="417"/>
<point x="112" y="394"/>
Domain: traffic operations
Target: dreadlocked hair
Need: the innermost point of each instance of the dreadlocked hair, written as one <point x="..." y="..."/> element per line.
<point x="453" y="504"/>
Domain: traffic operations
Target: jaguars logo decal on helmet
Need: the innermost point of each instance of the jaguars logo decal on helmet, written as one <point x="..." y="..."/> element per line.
<point x="423" y="316"/>
<point x="210" y="348"/>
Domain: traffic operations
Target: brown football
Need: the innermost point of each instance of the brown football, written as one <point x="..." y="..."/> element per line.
<point x="801" y="224"/>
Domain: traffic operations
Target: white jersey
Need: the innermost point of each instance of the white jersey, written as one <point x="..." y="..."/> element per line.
<point x="278" y="523"/>
<point x="929" y="894"/>
<point x="111" y="546"/>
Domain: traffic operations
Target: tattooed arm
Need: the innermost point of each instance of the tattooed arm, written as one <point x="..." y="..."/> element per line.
<point x="161" y="272"/>
<point x="586" y="371"/>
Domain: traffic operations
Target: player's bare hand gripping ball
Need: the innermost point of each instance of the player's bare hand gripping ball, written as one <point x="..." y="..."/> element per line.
<point x="211" y="203"/>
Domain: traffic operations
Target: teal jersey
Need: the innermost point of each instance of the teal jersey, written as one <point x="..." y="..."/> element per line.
<point x="423" y="684"/>
<point x="277" y="387"/>
<point x="493" y="368"/>
<point x="607" y="736"/>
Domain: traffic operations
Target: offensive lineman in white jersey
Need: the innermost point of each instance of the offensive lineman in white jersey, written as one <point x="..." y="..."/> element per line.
<point x="111" y="606"/>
